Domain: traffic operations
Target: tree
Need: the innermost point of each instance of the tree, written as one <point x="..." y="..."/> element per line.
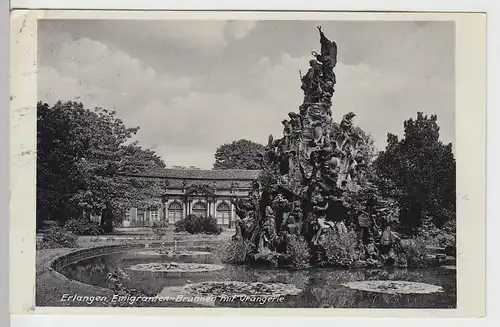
<point x="85" y="162"/>
<point x="421" y="171"/>
<point x="242" y="154"/>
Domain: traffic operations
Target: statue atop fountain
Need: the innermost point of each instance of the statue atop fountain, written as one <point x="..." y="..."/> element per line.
<point x="305" y="171"/>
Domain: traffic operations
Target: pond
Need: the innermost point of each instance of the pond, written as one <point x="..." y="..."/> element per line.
<point x="321" y="288"/>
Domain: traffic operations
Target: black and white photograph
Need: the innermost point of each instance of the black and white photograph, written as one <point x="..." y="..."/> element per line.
<point x="246" y="163"/>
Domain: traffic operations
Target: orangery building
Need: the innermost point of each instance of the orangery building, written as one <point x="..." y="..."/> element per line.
<point x="195" y="191"/>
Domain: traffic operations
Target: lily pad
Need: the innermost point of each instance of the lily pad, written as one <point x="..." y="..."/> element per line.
<point x="174" y="253"/>
<point x="236" y="288"/>
<point x="394" y="287"/>
<point x="173" y="267"/>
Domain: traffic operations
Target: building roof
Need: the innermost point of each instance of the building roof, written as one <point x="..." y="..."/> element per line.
<point x="205" y="174"/>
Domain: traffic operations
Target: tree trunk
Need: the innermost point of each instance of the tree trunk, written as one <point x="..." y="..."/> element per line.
<point x="107" y="220"/>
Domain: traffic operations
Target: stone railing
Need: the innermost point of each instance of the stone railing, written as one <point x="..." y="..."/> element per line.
<point x="82" y="254"/>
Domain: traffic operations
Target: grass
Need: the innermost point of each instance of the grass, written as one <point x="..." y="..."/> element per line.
<point x="123" y="238"/>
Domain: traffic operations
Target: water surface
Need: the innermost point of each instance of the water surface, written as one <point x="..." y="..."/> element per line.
<point x="321" y="287"/>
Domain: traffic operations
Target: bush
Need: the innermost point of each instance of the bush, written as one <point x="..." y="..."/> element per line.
<point x="193" y="225"/>
<point x="197" y="225"/>
<point x="160" y="228"/>
<point x="341" y="249"/>
<point x="234" y="251"/>
<point x="180" y="226"/>
<point x="57" y="237"/>
<point x="209" y="226"/>
<point x="297" y="250"/>
<point x="448" y="235"/>
<point x="433" y="236"/>
<point x="82" y="226"/>
<point x="414" y="253"/>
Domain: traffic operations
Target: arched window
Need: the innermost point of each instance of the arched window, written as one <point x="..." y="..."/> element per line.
<point x="200" y="209"/>
<point x="223" y="213"/>
<point x="174" y="212"/>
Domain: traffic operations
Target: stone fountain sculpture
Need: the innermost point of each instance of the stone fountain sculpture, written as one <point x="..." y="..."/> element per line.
<point x="305" y="171"/>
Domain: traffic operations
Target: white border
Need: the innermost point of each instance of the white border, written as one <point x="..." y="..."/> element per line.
<point x="489" y="6"/>
<point x="338" y="5"/>
<point x="470" y="119"/>
<point x="4" y="162"/>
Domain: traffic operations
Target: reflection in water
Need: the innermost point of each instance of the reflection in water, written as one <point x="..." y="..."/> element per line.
<point x="321" y="287"/>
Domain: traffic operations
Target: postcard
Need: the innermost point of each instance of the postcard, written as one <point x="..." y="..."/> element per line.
<point x="248" y="163"/>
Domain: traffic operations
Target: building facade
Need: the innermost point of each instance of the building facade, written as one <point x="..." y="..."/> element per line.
<point x="197" y="192"/>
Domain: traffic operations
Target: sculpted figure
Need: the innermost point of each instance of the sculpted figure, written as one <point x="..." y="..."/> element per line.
<point x="345" y="130"/>
<point x="240" y="230"/>
<point x="317" y="134"/>
<point x="306" y="173"/>
<point x="270" y="142"/>
<point x="372" y="254"/>
<point x="287" y="132"/>
<point x="346" y="123"/>
<point x="316" y="120"/>
<point x="328" y="49"/>
<point x="287" y="128"/>
<point x="284" y="165"/>
<point x="303" y="108"/>
<point x="328" y="87"/>
<point x="296" y="131"/>
<point x="329" y="174"/>
<point x="320" y="209"/>
<point x="308" y="178"/>
<point x="269" y="229"/>
<point x="270" y="158"/>
<point x="388" y="239"/>
<point x="326" y="99"/>
<point x="256" y="192"/>
<point x="243" y="222"/>
<point x="317" y="112"/>
<point x="295" y="122"/>
<point x="326" y="92"/>
<point x="311" y="78"/>
<point x="292" y="225"/>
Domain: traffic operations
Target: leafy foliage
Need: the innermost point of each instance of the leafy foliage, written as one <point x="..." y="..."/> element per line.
<point x="234" y="251"/>
<point x="421" y="170"/>
<point x="438" y="237"/>
<point x="209" y="226"/>
<point x="82" y="226"/>
<point x="193" y="224"/>
<point x="370" y="199"/>
<point x="242" y="154"/>
<point x="180" y="225"/>
<point x="160" y="228"/>
<point x="86" y="161"/>
<point x="297" y="250"/>
<point x="340" y="249"/>
<point x="414" y="253"/>
<point x="57" y="237"/>
<point x="268" y="179"/>
<point x="196" y="225"/>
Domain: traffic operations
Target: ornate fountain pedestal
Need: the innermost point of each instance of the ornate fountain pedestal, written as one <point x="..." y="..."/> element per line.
<point x="304" y="172"/>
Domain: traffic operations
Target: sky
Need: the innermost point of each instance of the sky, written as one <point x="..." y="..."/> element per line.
<point x="192" y="86"/>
